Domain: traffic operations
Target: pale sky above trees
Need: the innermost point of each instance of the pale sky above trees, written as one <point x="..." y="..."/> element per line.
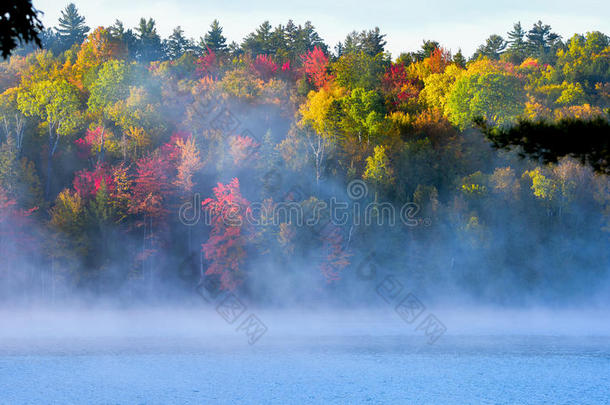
<point x="454" y="24"/>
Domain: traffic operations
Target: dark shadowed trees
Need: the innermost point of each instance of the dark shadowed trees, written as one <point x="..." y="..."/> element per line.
<point x="19" y="23"/>
<point x="585" y="140"/>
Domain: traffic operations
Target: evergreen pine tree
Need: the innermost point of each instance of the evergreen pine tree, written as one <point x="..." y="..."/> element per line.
<point x="428" y="46"/>
<point x="517" y="48"/>
<point x="312" y="38"/>
<point x="149" y="47"/>
<point x="493" y="47"/>
<point x="127" y="37"/>
<point x="542" y="43"/>
<point x="177" y="44"/>
<point x="258" y="42"/>
<point x="214" y="40"/>
<point x="71" y="28"/>
<point x="372" y="42"/>
<point x="459" y="59"/>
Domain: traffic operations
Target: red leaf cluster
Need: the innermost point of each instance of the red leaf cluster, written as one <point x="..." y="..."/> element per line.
<point x="170" y="150"/>
<point x="88" y="182"/>
<point x="264" y="67"/>
<point x="207" y="65"/>
<point x="92" y="140"/>
<point x="397" y="83"/>
<point x="243" y="149"/>
<point x="315" y="63"/>
<point x="151" y="187"/>
<point x="225" y="249"/>
<point x="439" y="60"/>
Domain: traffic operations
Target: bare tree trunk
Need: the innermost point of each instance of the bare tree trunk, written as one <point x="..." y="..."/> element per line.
<point x="19" y="129"/>
<point x="53" y="141"/>
<point x="124" y="147"/>
<point x="100" y="156"/>
<point x="318" y="148"/>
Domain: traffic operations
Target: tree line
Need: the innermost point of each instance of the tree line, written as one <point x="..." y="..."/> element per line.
<point x="108" y="134"/>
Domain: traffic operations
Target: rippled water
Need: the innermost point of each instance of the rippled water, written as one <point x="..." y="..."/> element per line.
<point x="372" y="360"/>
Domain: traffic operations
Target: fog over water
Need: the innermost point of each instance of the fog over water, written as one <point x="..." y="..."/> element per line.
<point x="208" y="324"/>
<point x="192" y="356"/>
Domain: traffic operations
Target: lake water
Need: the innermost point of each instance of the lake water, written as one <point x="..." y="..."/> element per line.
<point x="198" y="358"/>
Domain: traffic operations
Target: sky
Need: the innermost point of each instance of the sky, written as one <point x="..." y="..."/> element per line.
<point x="454" y="24"/>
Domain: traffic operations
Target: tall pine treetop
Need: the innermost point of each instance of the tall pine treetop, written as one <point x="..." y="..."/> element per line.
<point x="214" y="40"/>
<point x="71" y="28"/>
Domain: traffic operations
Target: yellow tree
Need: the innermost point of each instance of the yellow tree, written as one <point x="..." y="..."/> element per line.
<point x="56" y="103"/>
<point x="98" y="48"/>
<point x="379" y="171"/>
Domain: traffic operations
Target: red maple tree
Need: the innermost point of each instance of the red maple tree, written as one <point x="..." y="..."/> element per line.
<point x="92" y="142"/>
<point x="439" y="60"/>
<point x="171" y="150"/>
<point x="398" y="85"/>
<point x="225" y="249"/>
<point x="151" y="187"/>
<point x="315" y="63"/>
<point x="264" y="67"/>
<point x="336" y="255"/>
<point x="88" y="182"/>
<point x="207" y="65"/>
<point x="243" y="149"/>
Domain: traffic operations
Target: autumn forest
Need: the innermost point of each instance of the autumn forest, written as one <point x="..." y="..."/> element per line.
<point x="135" y="167"/>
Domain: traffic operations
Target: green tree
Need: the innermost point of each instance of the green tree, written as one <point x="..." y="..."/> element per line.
<point x="214" y="40"/>
<point x="378" y="169"/>
<point x="427" y="48"/>
<point x="309" y="39"/>
<point x="259" y="42"/>
<point x="177" y="44"/>
<point x="371" y="42"/>
<point x="362" y="70"/>
<point x="111" y="85"/>
<point x="517" y="47"/>
<point x="437" y="87"/>
<point x="493" y="47"/>
<point x="127" y="37"/>
<point x="542" y="43"/>
<point x="149" y="47"/>
<point x="498" y="97"/>
<point x="459" y="59"/>
<point x="586" y="61"/>
<point x="56" y="103"/>
<point x="71" y="28"/>
<point x="364" y="114"/>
